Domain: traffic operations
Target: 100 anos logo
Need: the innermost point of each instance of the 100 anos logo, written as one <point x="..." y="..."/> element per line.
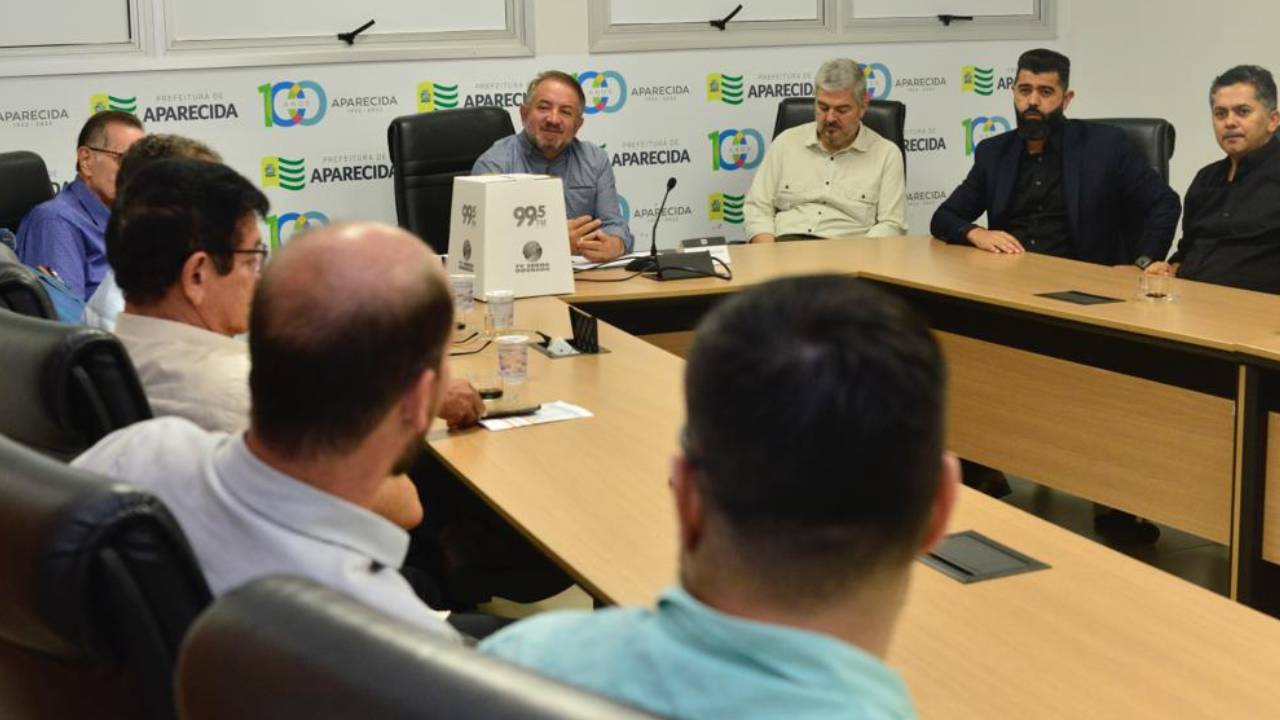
<point x="977" y="129"/>
<point x="734" y="149"/>
<point x="289" y="104"/>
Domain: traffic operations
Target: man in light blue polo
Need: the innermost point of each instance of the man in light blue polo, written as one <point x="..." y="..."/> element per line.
<point x="65" y="234"/>
<point x="552" y="114"/>
<point x="812" y="472"/>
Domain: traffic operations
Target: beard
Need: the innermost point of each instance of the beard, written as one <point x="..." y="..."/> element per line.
<point x="553" y="145"/>
<point x="1039" y="128"/>
<point x="837" y="137"/>
<point x="409" y="456"/>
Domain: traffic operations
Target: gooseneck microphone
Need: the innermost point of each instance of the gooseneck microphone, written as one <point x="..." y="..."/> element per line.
<point x="650" y="264"/>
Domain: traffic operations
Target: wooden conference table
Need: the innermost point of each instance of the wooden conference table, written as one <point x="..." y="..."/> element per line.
<point x="1097" y="635"/>
<point x="1153" y="408"/>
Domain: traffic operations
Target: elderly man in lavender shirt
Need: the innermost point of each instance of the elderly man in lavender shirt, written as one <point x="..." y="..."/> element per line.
<point x="65" y="234"/>
<point x="552" y="115"/>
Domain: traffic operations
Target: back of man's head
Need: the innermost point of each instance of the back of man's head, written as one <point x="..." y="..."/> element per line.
<point x="171" y="209"/>
<point x="815" y="431"/>
<point x="344" y="321"/>
<point x="1044" y="60"/>
<point x="158" y="146"/>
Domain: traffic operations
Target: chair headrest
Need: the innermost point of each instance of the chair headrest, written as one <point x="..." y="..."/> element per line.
<point x="64" y="386"/>
<point x="22" y="292"/>
<point x="283" y="647"/>
<point x="55" y="523"/>
<point x="24" y="183"/>
<point x="445" y="140"/>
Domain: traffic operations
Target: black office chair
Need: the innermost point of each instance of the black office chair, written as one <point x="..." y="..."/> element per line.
<point x="886" y="117"/>
<point x="63" y="387"/>
<point x="284" y="647"/>
<point x="99" y="586"/>
<point x="1153" y="136"/>
<point x="24" y="183"/>
<point x="21" y="291"/>
<point x="428" y="151"/>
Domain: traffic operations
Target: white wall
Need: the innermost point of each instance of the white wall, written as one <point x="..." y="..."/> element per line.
<point x="560" y="27"/>
<point x="1130" y="57"/>
<point x="1154" y="58"/>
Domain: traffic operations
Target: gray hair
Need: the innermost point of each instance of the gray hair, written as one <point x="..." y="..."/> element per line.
<point x="558" y="76"/>
<point x="1264" y="86"/>
<point x="842" y="74"/>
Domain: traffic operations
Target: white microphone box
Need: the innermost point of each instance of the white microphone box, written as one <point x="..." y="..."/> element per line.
<point x="510" y="231"/>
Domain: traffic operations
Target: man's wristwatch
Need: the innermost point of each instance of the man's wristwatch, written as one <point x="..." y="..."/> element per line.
<point x="1143" y="262"/>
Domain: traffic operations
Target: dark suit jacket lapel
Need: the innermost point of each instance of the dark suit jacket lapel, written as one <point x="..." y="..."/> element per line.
<point x="1006" y="176"/>
<point x="1072" y="159"/>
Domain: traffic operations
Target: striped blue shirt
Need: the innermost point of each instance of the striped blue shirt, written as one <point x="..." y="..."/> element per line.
<point x="583" y="168"/>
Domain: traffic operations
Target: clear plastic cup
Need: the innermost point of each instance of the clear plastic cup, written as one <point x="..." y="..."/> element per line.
<point x="1155" y="288"/>
<point x="501" y="313"/>
<point x="513" y="364"/>
<point x="464" y="302"/>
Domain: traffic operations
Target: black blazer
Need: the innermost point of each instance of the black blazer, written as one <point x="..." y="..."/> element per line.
<point x="1118" y="207"/>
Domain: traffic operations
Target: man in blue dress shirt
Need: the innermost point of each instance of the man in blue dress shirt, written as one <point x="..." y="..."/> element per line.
<point x="811" y="474"/>
<point x="65" y="234"/>
<point x="552" y="115"/>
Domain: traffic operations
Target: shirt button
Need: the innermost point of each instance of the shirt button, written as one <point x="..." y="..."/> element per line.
<point x="1037" y="183"/>
<point x="828" y="182"/>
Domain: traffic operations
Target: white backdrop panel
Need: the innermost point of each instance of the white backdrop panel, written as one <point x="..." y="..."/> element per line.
<point x="870" y="9"/>
<point x="627" y="12"/>
<point x="241" y="19"/>
<point x="695" y="115"/>
<point x="24" y="23"/>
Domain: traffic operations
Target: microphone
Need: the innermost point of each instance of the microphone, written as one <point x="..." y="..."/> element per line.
<point x="650" y="264"/>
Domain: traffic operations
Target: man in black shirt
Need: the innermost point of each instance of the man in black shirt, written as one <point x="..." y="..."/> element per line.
<point x="1066" y="188"/>
<point x="1060" y="187"/>
<point x="1231" y="232"/>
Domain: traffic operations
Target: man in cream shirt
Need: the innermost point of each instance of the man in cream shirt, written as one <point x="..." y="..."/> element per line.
<point x="833" y="177"/>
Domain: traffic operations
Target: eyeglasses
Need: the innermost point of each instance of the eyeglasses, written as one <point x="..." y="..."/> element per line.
<point x="259" y="252"/>
<point x="115" y="154"/>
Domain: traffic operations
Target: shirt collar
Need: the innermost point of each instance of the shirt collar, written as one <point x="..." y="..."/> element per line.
<point x="804" y="657"/>
<point x="160" y="329"/>
<point x="1257" y="157"/>
<point x="861" y="143"/>
<point x="306" y="510"/>
<point x="98" y="212"/>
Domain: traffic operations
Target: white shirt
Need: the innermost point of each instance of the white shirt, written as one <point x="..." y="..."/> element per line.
<point x="105" y="304"/>
<point x="189" y="371"/>
<point x="246" y="520"/>
<point x="802" y="188"/>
